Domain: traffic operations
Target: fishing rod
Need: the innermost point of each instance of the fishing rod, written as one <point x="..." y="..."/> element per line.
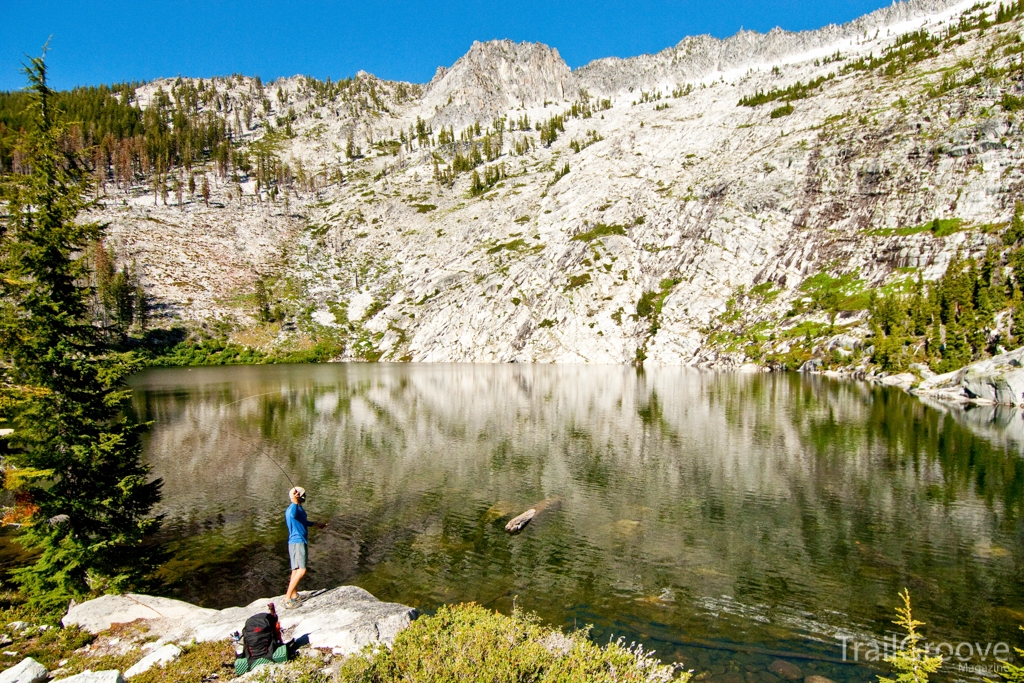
<point x="260" y="450"/>
<point x="257" y="447"/>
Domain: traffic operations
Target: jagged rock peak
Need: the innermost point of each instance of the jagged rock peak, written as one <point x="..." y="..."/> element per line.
<point x="497" y="76"/>
<point x="698" y="57"/>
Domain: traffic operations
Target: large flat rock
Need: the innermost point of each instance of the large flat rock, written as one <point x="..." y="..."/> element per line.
<point x="999" y="380"/>
<point x="343" y="619"/>
<point x="100" y="614"/>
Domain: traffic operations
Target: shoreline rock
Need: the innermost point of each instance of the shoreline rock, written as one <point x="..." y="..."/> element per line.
<point x="343" y="619"/>
<point x="998" y="380"/>
<point x="995" y="381"/>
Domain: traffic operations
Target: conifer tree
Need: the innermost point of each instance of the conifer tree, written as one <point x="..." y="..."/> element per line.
<point x="1017" y="324"/>
<point x="83" y="492"/>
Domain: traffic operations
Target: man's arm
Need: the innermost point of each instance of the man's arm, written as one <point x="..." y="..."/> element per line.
<point x="319" y="525"/>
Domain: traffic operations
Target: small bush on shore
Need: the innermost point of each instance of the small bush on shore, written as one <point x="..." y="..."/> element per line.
<point x="470" y="643"/>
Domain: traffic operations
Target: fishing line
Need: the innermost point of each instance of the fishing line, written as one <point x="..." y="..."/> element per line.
<point x="260" y="450"/>
<point x="254" y="445"/>
<point x="246" y="398"/>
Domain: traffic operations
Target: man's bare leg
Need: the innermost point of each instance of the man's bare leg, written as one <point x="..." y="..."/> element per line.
<point x="293" y="585"/>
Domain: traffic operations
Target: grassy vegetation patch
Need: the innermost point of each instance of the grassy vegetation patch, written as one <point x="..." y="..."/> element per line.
<point x="198" y="663"/>
<point x="424" y="208"/>
<point x="765" y="291"/>
<point x="939" y="227"/>
<point x="834" y="293"/>
<point x="223" y="352"/>
<point x="943" y="227"/>
<point x="784" y="110"/>
<point x="576" y="281"/>
<point x="600" y="230"/>
<point x="650" y="302"/>
<point x="513" y="245"/>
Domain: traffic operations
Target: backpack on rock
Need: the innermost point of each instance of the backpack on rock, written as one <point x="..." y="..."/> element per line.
<point x="261" y="643"/>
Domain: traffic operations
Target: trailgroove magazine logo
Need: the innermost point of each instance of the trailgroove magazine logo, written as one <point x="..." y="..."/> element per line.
<point x="975" y="658"/>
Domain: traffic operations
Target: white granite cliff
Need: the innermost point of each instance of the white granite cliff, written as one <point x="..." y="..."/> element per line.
<point x="717" y="213"/>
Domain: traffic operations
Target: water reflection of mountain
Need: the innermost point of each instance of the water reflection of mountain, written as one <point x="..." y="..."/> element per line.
<point x="767" y="508"/>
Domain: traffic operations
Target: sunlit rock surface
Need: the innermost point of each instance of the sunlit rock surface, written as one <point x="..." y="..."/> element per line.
<point x="343" y="619"/>
<point x="674" y="191"/>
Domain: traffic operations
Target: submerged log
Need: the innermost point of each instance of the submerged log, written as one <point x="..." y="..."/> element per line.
<point x="516" y="524"/>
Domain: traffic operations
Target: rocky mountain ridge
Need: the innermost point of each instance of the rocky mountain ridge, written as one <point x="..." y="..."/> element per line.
<point x="703" y="57"/>
<point x="495" y="77"/>
<point x="513" y="210"/>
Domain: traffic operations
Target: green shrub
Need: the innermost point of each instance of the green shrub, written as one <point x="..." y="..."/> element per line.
<point x="209" y="352"/>
<point x="1011" y="103"/>
<point x="784" y="110"/>
<point x="834" y="293"/>
<point x="650" y="302"/>
<point x="765" y="291"/>
<point x="645" y="306"/>
<point x="322" y="352"/>
<point x="890" y="354"/>
<point x="470" y="643"/>
<point x="196" y="664"/>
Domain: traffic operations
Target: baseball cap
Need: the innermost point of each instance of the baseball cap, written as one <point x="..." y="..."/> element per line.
<point x="297" y="491"/>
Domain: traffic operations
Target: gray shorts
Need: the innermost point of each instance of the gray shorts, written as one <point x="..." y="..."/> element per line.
<point x="297" y="555"/>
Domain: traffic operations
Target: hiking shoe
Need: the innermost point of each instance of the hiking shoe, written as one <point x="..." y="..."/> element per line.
<point x="291" y="603"/>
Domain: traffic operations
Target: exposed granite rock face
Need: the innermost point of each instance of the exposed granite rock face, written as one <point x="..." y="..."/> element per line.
<point x="27" y="670"/>
<point x="998" y="380"/>
<point x="494" y="77"/>
<point x="720" y="212"/>
<point x="343" y="619"/>
<point x="161" y="656"/>
<point x="701" y="58"/>
<point x="105" y="611"/>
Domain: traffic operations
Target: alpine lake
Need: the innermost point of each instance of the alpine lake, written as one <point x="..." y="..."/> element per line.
<point x="723" y="520"/>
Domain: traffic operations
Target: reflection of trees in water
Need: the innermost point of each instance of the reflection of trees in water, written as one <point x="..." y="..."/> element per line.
<point x="792" y="493"/>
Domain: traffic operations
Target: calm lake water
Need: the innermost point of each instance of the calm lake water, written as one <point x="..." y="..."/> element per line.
<point x="711" y="516"/>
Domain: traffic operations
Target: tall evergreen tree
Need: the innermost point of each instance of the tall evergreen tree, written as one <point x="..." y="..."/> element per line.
<point x="84" y="495"/>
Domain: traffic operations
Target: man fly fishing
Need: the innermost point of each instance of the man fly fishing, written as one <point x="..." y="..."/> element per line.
<point x="298" y="540"/>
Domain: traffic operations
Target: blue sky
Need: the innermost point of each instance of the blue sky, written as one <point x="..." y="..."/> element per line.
<point x="106" y="42"/>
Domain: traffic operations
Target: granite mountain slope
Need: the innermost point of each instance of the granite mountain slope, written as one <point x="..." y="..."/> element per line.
<point x="514" y="210"/>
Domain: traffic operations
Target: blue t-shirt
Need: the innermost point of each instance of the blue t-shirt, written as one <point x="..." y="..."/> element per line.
<point x="295" y="518"/>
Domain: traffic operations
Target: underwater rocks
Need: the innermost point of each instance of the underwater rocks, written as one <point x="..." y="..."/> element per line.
<point x="787" y="670"/>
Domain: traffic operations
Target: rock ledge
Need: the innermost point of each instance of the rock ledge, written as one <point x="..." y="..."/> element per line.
<point x="343" y="619"/>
